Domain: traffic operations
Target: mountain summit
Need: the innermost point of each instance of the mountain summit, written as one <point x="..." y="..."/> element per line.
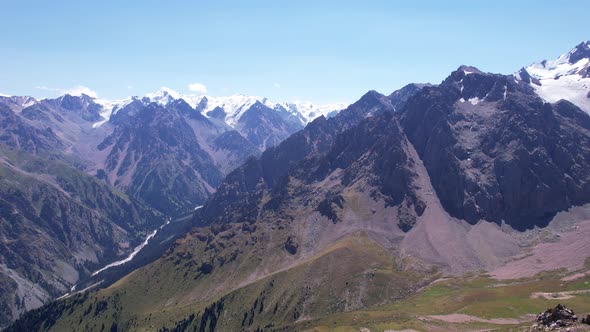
<point x="470" y="179"/>
<point x="567" y="77"/>
<point x="83" y="179"/>
<point x="234" y="106"/>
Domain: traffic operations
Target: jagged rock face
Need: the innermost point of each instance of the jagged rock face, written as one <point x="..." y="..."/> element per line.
<point x="527" y="78"/>
<point x="495" y="151"/>
<point x="581" y="51"/>
<point x="233" y="141"/>
<point x="83" y="106"/>
<point x="154" y="155"/>
<point x="265" y="127"/>
<point x="492" y="148"/>
<point x="371" y="152"/>
<point x="73" y="125"/>
<point x="17" y="103"/>
<point x="217" y="113"/>
<point x="371" y="157"/>
<point x="17" y="134"/>
<point x="237" y="149"/>
<point x="238" y="197"/>
<point x="399" y="97"/>
<point x="75" y="108"/>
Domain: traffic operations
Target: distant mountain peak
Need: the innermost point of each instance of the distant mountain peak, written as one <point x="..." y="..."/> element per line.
<point x="19" y="102"/>
<point x="164" y="95"/>
<point x="460" y="73"/>
<point x="567" y="77"/>
<point x="371" y="96"/>
<point x="572" y="62"/>
<point x="582" y="51"/>
<point x="469" y="70"/>
<point x="235" y="105"/>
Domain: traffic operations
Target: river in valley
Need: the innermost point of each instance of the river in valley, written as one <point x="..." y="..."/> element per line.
<point x="152" y="248"/>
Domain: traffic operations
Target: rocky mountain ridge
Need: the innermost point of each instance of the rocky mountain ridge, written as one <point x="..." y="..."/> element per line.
<point x="361" y="209"/>
<point x="567" y="77"/>
<point x="120" y="169"/>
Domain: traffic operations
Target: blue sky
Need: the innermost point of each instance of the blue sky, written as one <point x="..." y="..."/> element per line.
<point x="322" y="51"/>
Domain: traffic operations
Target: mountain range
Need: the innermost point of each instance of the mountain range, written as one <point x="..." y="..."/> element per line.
<point x="90" y="178"/>
<point x="304" y="220"/>
<point x="182" y="143"/>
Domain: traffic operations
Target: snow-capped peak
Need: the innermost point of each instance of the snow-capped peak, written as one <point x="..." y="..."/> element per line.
<point x="19" y="102"/>
<point x="309" y="111"/>
<point x="229" y="108"/>
<point x="233" y="106"/>
<point x="567" y="77"/>
<point x="110" y="107"/>
<point x="468" y="70"/>
<point x="236" y="105"/>
<point x="164" y="96"/>
<point x="582" y="51"/>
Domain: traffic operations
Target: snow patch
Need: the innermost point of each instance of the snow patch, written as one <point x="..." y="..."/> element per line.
<point x="236" y="105"/>
<point x="109" y="108"/>
<point x="474" y="100"/>
<point x="572" y="88"/>
<point x="560" y="79"/>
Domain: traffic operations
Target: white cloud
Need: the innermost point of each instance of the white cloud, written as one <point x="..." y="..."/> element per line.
<point x="197" y="87"/>
<point x="276" y="85"/>
<point x="74" y="91"/>
<point x="79" y="90"/>
<point x="130" y="87"/>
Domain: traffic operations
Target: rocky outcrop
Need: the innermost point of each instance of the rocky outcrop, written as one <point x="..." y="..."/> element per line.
<point x="291" y="245"/>
<point x="495" y="151"/>
<point x="81" y="106"/>
<point x="16" y="133"/>
<point x="238" y="198"/>
<point x="400" y="97"/>
<point x="554" y="319"/>
<point x="265" y="127"/>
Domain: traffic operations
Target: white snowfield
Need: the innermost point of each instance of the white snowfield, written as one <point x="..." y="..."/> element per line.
<point x="234" y="106"/>
<point x="561" y="79"/>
